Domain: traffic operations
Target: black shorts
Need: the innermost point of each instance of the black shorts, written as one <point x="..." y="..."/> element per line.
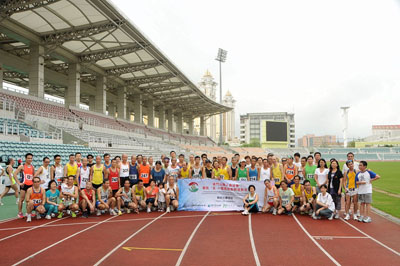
<point x="296" y="203"/>
<point x="96" y="186"/>
<point x="133" y="182"/>
<point x="26" y="187"/>
<point x="277" y="186"/>
<point x="126" y="204"/>
<point x="114" y="192"/>
<point x="172" y="199"/>
<point x="151" y="200"/>
<point x="122" y="180"/>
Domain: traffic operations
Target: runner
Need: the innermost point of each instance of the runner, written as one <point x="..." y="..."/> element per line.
<point x="144" y="171"/>
<point x="107" y="162"/>
<point x="317" y="157"/>
<point x="325" y="205"/>
<point x="309" y="196"/>
<point x="203" y="159"/>
<point x="71" y="168"/>
<point x="113" y="177"/>
<point x="271" y="197"/>
<point x="297" y="160"/>
<point x="335" y="184"/>
<point x="44" y="173"/>
<point x="225" y="171"/>
<point x="152" y="195"/>
<point x="124" y="169"/>
<point x="172" y="194"/>
<point x="196" y="170"/>
<point x="181" y="159"/>
<point x="265" y="171"/>
<point x="286" y="198"/>
<point x="321" y="174"/>
<point x="191" y="161"/>
<point x="234" y="168"/>
<point x="301" y="170"/>
<point x="126" y="199"/>
<point x="298" y="193"/>
<point x="69" y="195"/>
<point x="26" y="171"/>
<point x="87" y="200"/>
<point x="351" y="190"/>
<point x="35" y="199"/>
<point x="216" y="170"/>
<point x="105" y="200"/>
<point x="139" y="159"/>
<point x="9" y="181"/>
<point x="52" y="197"/>
<point x="243" y="171"/>
<point x="78" y="159"/>
<point x="250" y="201"/>
<point x="208" y="171"/>
<point x="309" y="170"/>
<point x="140" y="194"/>
<point x="350" y="157"/>
<point x="185" y="171"/>
<point x="157" y="173"/>
<point x="290" y="171"/>
<point x="99" y="173"/>
<point x="363" y="180"/>
<point x="173" y="170"/>
<point x="83" y="174"/>
<point x="133" y="171"/>
<point x="254" y="174"/>
<point x="277" y="171"/>
<point x="151" y="162"/>
<point x="90" y="160"/>
<point x="248" y="160"/>
<point x="57" y="170"/>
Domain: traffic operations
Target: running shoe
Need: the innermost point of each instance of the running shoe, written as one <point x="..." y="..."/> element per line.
<point x="112" y="212"/>
<point x="17" y="201"/>
<point x="367" y="220"/>
<point x="119" y="212"/>
<point x="20" y="215"/>
<point x="168" y="209"/>
<point x="68" y="212"/>
<point x="337" y="216"/>
<point x="128" y="211"/>
<point x="28" y="219"/>
<point x="48" y="217"/>
<point x="38" y="217"/>
<point x="314" y="216"/>
<point x="1" y="203"/>
<point x="98" y="213"/>
<point x="310" y="212"/>
<point x="85" y="214"/>
<point x="53" y="215"/>
<point x="274" y="212"/>
<point x="347" y="217"/>
<point x="148" y="210"/>
<point x="60" y="215"/>
<point x="360" y="218"/>
<point x="355" y="217"/>
<point x="289" y="213"/>
<point x="331" y="217"/>
<point x="73" y="214"/>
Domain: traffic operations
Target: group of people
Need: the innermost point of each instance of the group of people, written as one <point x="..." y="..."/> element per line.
<point x="96" y="185"/>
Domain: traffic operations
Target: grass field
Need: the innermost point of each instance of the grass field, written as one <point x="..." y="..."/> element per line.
<point x="388" y="204"/>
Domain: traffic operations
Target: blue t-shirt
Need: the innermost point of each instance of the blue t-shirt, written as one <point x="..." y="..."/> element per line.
<point x="158" y="176"/>
<point x="53" y="196"/>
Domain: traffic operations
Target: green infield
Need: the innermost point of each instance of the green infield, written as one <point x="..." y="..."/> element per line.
<point x="390" y="176"/>
<point x="388" y="204"/>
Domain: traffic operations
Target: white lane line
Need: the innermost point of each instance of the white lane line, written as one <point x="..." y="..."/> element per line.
<point x="190" y="240"/>
<point x="30" y="229"/>
<point x="126" y="240"/>
<point x="253" y="246"/>
<point x="341" y="237"/>
<point x="8" y="220"/>
<point x="62" y="240"/>
<point x="115" y="221"/>
<point x="370" y="237"/>
<point x="315" y="242"/>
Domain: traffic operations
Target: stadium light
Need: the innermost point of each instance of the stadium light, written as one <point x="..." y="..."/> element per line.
<point x="221" y="58"/>
<point x="345" y="124"/>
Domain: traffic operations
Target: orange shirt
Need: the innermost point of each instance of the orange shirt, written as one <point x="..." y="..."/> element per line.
<point x="290" y="172"/>
<point x="37" y="197"/>
<point x="144" y="173"/>
<point x="153" y="194"/>
<point x="28" y="175"/>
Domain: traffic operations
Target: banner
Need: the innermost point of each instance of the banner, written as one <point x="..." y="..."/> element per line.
<point x="216" y="195"/>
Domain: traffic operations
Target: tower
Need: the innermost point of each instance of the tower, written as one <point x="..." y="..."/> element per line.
<point x="229" y="118"/>
<point x="345" y="124"/>
<point x="208" y="87"/>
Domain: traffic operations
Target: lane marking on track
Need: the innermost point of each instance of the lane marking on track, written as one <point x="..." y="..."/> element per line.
<point x="8" y="220"/>
<point x="190" y="239"/>
<point x="30" y="229"/>
<point x="340" y="237"/>
<point x="370" y="237"/>
<point x="315" y="241"/>
<point x="127" y="239"/>
<point x="163" y="249"/>
<point x="115" y="221"/>
<point x="253" y="246"/>
<point x="62" y="240"/>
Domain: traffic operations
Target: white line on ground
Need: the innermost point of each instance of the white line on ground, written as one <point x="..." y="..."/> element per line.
<point x="30" y="229"/>
<point x="315" y="242"/>
<point x="190" y="240"/>
<point x="370" y="237"/>
<point x="126" y="240"/>
<point x="62" y="240"/>
<point x="253" y="246"/>
<point x="331" y="237"/>
<point x="8" y="220"/>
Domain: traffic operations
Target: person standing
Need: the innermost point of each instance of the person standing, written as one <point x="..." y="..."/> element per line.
<point x="157" y="173"/>
<point x="290" y="171"/>
<point x="44" y="173"/>
<point x="243" y="171"/>
<point x="133" y="171"/>
<point x="234" y="167"/>
<point x="309" y="170"/>
<point x="185" y="171"/>
<point x="113" y="176"/>
<point x="144" y="171"/>
<point x="9" y="180"/>
<point x="225" y="169"/>
<point x="107" y="162"/>
<point x="99" y="173"/>
<point x="57" y="170"/>
<point x="196" y="170"/>
<point x="27" y="171"/>
<point x="351" y="190"/>
<point x="254" y="174"/>
<point x="350" y="157"/>
<point x="301" y="169"/>
<point x="71" y="168"/>
<point x="321" y="174"/>
<point x="83" y="174"/>
<point x="317" y="157"/>
<point x="297" y="160"/>
<point x="335" y="181"/>
<point x="277" y="171"/>
<point x="124" y="169"/>
<point x="363" y="180"/>
<point x="173" y="170"/>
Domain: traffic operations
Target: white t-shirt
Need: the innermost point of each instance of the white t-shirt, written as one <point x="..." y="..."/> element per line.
<point x="327" y="199"/>
<point x="174" y="172"/>
<point x="265" y="174"/>
<point x="297" y="164"/>
<point x="356" y="167"/>
<point x="322" y="176"/>
<point x="161" y="195"/>
<point x="365" y="176"/>
<point x="45" y="176"/>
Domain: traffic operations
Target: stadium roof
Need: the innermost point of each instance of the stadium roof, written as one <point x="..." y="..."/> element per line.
<point x="104" y="42"/>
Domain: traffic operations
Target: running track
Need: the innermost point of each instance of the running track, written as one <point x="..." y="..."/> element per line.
<point x="199" y="238"/>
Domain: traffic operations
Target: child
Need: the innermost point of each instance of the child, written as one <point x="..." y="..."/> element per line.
<point x="351" y="190"/>
<point x="161" y="197"/>
<point x="363" y="180"/>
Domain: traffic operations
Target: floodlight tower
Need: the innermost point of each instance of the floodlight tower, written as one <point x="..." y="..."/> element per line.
<point x="221" y="58"/>
<point x="345" y="124"/>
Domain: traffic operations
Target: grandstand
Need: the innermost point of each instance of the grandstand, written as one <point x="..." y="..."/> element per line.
<point x="116" y="91"/>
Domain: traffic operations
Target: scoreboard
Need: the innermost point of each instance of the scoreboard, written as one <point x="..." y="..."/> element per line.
<point x="274" y="134"/>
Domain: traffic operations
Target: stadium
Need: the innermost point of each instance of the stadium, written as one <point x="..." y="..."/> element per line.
<point x="78" y="77"/>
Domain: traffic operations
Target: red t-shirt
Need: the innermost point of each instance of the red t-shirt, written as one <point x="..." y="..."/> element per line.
<point x="113" y="176"/>
<point x="89" y="196"/>
<point x="153" y="194"/>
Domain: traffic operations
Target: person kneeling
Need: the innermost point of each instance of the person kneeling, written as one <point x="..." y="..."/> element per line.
<point x="172" y="194"/>
<point x="286" y="199"/>
<point x="87" y="200"/>
<point x="152" y="195"/>
<point x="271" y="198"/>
<point x="126" y="198"/>
<point x="105" y="199"/>
<point x="325" y="206"/>
<point x="69" y="194"/>
<point x="250" y="201"/>
<point x="35" y="198"/>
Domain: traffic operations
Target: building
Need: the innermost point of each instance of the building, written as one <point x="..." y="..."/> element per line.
<point x="208" y="86"/>
<point x="386" y="132"/>
<point x="272" y="129"/>
<point x="311" y="140"/>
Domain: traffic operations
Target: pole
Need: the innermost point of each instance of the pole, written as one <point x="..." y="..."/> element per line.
<point x="220" y="101"/>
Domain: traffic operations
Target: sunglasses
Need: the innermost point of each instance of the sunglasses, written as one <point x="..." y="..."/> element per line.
<point x="36" y="181"/>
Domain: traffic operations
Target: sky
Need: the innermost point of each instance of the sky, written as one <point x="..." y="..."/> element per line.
<point x="306" y="57"/>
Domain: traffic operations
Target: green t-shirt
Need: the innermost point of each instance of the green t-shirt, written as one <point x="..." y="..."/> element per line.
<point x="286" y="195"/>
<point x="242" y="174"/>
<point x="310" y="171"/>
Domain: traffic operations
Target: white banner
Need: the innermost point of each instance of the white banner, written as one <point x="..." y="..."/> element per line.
<point x="216" y="195"/>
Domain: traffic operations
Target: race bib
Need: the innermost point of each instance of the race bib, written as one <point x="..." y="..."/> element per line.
<point x="277" y="180"/>
<point x="133" y="177"/>
<point x="242" y="178"/>
<point x="29" y="177"/>
<point x="144" y="175"/>
<point x="253" y="178"/>
<point x="114" y="179"/>
<point x="310" y="176"/>
<point x="37" y="201"/>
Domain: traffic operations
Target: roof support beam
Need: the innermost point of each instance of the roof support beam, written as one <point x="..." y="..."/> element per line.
<point x="132" y="67"/>
<point x="77" y="33"/>
<point x="9" y="7"/>
<point x="91" y="57"/>
<point x="148" y="79"/>
<point x="162" y="87"/>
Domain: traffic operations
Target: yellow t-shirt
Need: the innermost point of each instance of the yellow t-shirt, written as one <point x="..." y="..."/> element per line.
<point x="351" y="180"/>
<point x="185" y="174"/>
<point x="297" y="192"/>
<point x="97" y="175"/>
<point x="276" y="171"/>
<point x="223" y="173"/>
